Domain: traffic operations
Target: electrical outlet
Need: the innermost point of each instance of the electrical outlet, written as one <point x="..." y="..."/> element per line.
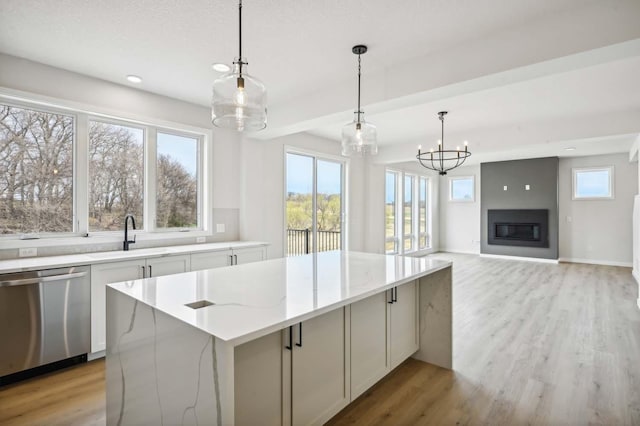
<point x="201" y="239"/>
<point x="28" y="252"/>
<point x="220" y="227"/>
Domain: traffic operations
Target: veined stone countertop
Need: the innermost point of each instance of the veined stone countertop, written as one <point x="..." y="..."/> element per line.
<point x="34" y="263"/>
<point x="255" y="299"/>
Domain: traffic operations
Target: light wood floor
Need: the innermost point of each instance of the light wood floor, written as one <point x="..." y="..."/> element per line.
<point x="533" y="344"/>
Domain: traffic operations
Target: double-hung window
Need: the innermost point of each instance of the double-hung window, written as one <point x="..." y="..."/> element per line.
<point x="65" y="172"/>
<point x="407" y="212"/>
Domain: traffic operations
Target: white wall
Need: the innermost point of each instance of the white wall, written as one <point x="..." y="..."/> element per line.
<point x="460" y="221"/>
<point x="263" y="187"/>
<point x="600" y="231"/>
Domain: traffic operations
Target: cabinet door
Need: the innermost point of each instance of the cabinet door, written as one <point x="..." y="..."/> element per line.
<point x="250" y="254"/>
<point x="369" y="362"/>
<point x="167" y="265"/>
<point x="101" y="275"/>
<point x="210" y="260"/>
<point x="319" y="382"/>
<point x="403" y="330"/>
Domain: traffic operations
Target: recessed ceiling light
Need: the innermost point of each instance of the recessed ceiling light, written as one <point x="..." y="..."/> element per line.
<point x="134" y="78"/>
<point x="571" y="148"/>
<point x="220" y="67"/>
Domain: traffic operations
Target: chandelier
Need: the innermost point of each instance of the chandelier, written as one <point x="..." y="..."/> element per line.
<point x="359" y="137"/>
<point x="239" y="100"/>
<point x="443" y="160"/>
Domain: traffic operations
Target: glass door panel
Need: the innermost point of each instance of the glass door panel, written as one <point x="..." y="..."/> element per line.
<point x="299" y="204"/>
<point x="329" y="205"/>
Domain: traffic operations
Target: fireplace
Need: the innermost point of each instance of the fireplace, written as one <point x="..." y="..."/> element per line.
<point x="527" y="228"/>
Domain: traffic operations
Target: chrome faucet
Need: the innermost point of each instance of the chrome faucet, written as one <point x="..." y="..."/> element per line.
<point x="126" y="242"/>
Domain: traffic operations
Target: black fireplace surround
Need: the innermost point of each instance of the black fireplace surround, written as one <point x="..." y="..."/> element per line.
<point x="526" y="228"/>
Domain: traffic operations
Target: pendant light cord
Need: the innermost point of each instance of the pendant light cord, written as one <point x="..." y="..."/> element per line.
<point x="240" y="63"/>
<point x="359" y="73"/>
<point x="442" y="143"/>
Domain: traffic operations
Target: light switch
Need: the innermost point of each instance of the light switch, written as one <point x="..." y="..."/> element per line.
<point x="505" y="187"/>
<point x="527" y="187"/>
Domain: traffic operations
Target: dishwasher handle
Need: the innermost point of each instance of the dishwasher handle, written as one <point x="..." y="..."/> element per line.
<point x="38" y="280"/>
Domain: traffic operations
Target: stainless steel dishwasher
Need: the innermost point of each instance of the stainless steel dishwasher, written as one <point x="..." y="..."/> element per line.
<point x="45" y="316"/>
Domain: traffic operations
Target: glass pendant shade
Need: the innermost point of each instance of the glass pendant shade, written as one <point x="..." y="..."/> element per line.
<point x="239" y="100"/>
<point x="359" y="138"/>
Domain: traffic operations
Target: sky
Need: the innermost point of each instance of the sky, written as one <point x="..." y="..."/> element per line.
<point x="180" y="148"/>
<point x="300" y="175"/>
<point x="592" y="183"/>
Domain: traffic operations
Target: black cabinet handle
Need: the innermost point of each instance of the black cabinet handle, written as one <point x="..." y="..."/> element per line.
<point x="231" y="259"/>
<point x="149" y="271"/>
<point x="235" y="256"/>
<point x="391" y="301"/>
<point x="394" y="294"/>
<point x="144" y="272"/>
<point x="290" y="338"/>
<point x="299" y="344"/>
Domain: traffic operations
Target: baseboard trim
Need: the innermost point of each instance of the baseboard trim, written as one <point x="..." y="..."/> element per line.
<point x="457" y="251"/>
<point x="526" y="259"/>
<point x="596" y="262"/>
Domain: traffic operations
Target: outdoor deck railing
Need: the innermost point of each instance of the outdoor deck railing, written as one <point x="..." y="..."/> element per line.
<point x="300" y="241"/>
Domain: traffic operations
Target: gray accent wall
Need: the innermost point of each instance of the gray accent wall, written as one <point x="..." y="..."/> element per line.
<point x="541" y="174"/>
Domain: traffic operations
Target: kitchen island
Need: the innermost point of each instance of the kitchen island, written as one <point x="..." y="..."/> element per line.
<point x="284" y="341"/>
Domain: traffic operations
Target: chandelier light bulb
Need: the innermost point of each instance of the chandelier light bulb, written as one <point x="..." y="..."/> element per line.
<point x="439" y="142"/>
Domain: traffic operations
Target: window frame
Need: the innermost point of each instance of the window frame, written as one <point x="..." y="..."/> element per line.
<point x="574" y="182"/>
<point x="395" y="239"/>
<point x="462" y="200"/>
<point x="75" y="224"/>
<point x="81" y="115"/>
<point x="344" y="185"/>
<point x="400" y="236"/>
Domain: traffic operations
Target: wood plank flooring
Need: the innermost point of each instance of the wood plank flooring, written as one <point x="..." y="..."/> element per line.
<point x="534" y="343"/>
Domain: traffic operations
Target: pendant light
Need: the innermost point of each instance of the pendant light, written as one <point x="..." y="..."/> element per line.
<point x="239" y="100"/>
<point x="443" y="160"/>
<point x="359" y="137"/>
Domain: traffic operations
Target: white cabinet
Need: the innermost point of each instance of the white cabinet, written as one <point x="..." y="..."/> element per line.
<point x="369" y="360"/>
<point x="319" y="358"/>
<point x="297" y="377"/>
<point x="248" y="255"/>
<point x="210" y="260"/>
<point x="403" y="327"/>
<point x="384" y="332"/>
<point x="113" y="272"/>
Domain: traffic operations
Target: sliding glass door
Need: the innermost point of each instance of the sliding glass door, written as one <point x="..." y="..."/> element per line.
<point x="314" y="204"/>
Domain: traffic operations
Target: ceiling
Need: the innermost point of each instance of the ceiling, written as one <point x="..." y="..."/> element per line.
<point x="478" y="59"/>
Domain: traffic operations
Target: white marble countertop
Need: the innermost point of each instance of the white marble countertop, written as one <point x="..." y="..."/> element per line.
<point x="255" y="299"/>
<point x="33" y="263"/>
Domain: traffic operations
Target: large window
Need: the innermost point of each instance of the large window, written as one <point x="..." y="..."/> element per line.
<point x="36" y="171"/>
<point x="116" y="175"/>
<point x="407" y="212"/>
<point x="176" y="181"/>
<point x="391" y="228"/>
<point x="314" y="207"/>
<point x="66" y="172"/>
<point x="593" y="183"/>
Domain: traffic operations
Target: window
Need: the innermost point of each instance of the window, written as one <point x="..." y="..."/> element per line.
<point x="36" y="171"/>
<point x="422" y="213"/>
<point x="593" y="183"/>
<point x="391" y="236"/>
<point x="176" y="181"/>
<point x="314" y="205"/>
<point x="461" y="188"/>
<point x="406" y="212"/>
<point x="116" y="175"/>
<point x="73" y="173"/>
